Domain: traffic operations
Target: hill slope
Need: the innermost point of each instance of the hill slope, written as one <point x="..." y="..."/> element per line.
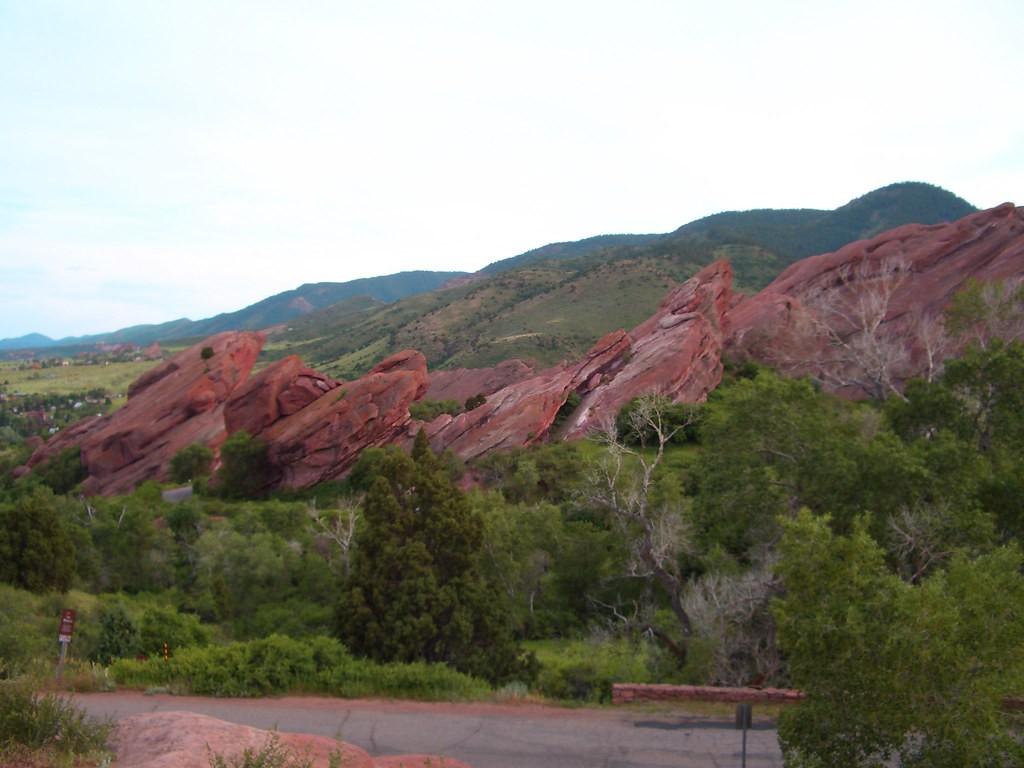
<point x="552" y="303"/>
<point x="279" y="308"/>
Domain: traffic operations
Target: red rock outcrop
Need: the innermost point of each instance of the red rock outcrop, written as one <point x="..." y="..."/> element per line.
<point x="322" y="440"/>
<point x="522" y="413"/>
<point x="176" y="403"/>
<point x="279" y="390"/>
<point x="924" y="266"/>
<point x="676" y="353"/>
<point x="463" y="383"/>
<point x="187" y="740"/>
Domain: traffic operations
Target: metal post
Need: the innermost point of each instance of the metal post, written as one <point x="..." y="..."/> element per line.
<point x="744" y="719"/>
<point x="60" y="661"/>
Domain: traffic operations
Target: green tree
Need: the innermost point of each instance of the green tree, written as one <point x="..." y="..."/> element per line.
<point x="893" y="670"/>
<point x="244" y="471"/>
<point x="64" y="471"/>
<point x="415" y="591"/>
<point x="119" y="635"/>
<point x="35" y="550"/>
<point x="191" y="462"/>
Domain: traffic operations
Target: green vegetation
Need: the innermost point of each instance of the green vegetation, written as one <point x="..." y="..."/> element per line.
<point x="428" y="410"/>
<point x="415" y="590"/>
<point x="279" y="664"/>
<point x="244" y="468"/>
<point x="46" y="729"/>
<point x="112" y="378"/>
<point x="893" y="670"/>
<point x="191" y="462"/>
<point x="270" y="755"/>
<point x="868" y="553"/>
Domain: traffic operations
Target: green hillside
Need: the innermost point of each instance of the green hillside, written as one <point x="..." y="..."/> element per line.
<point x="554" y="302"/>
<point x="797" y="234"/>
<point x="279" y="308"/>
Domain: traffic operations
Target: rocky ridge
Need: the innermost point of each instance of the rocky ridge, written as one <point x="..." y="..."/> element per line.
<point x="315" y="427"/>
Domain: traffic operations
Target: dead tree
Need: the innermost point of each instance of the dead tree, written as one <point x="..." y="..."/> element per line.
<point x="337" y="526"/>
<point x="733" y="612"/>
<point x="657" y="534"/>
<point x="861" y="351"/>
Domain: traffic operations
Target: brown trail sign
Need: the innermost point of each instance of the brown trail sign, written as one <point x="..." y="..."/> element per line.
<point x="67" y="628"/>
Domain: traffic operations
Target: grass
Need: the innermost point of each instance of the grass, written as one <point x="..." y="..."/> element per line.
<point x="114" y="378"/>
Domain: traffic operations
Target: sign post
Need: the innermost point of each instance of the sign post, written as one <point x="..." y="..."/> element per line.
<point x="744" y="719"/>
<point x="67" y="627"/>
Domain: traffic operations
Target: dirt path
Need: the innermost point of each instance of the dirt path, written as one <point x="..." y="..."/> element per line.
<point x="483" y="735"/>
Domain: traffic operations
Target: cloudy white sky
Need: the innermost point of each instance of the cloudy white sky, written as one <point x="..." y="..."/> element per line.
<point x="166" y="159"/>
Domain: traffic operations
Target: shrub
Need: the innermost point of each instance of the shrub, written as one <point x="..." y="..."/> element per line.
<point x="278" y="664"/>
<point x="270" y="755"/>
<point x="191" y="462"/>
<point x="49" y="725"/>
<point x="206" y="353"/>
<point x="244" y="466"/>
<point x="585" y="671"/>
<point x="428" y="410"/>
<point x="163" y="624"/>
<point x="475" y="401"/>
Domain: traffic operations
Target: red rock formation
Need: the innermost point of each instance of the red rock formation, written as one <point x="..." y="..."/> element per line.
<point x="322" y="440"/>
<point x="522" y="413"/>
<point x="186" y="740"/>
<point x="463" y="383"/>
<point x="931" y="264"/>
<point x="177" y="403"/>
<point x="675" y="353"/>
<point x="278" y="391"/>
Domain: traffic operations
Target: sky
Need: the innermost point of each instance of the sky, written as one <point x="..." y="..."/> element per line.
<point x="179" y="159"/>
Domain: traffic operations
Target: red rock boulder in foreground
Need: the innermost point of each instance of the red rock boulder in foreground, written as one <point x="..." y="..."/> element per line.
<point x="914" y="269"/>
<point x="180" y="401"/>
<point x="187" y="740"/>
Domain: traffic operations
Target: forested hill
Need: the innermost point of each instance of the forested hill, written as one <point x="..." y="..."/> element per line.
<point x="554" y="302"/>
<point x="797" y="233"/>
<point x="790" y="234"/>
<point x="275" y="309"/>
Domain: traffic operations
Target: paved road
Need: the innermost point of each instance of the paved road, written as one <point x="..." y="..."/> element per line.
<point x="483" y="735"/>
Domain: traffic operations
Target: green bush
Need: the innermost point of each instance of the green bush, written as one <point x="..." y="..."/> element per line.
<point x="585" y="671"/>
<point x="428" y="410"/>
<point x="48" y="725"/>
<point x="279" y="664"/>
<point x="161" y="624"/>
<point x="191" y="462"/>
<point x="23" y="636"/>
<point x="244" y="467"/>
<point x="270" y="755"/>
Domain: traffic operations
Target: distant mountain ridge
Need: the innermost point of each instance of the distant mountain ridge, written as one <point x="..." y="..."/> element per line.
<point x="552" y="303"/>
<point x="528" y="305"/>
<point x="273" y="310"/>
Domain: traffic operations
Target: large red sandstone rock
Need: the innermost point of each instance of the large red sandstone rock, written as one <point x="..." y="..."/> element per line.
<point x="322" y="440"/>
<point x="278" y="391"/>
<point x="176" y="403"/>
<point x="939" y="259"/>
<point x="522" y="413"/>
<point x="463" y="383"/>
<point x="187" y="740"/>
<point x="676" y="353"/>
